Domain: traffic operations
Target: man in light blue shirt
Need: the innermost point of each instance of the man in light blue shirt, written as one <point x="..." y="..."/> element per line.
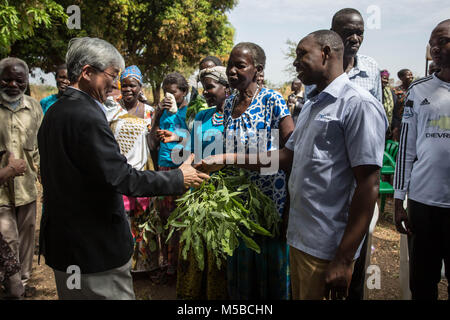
<point x="334" y="179"/>
<point x="334" y="157"/>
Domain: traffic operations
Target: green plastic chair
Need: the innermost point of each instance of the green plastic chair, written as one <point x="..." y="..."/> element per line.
<point x="385" y="189"/>
<point x="392" y="148"/>
<point x="388" y="164"/>
<point x="388" y="168"/>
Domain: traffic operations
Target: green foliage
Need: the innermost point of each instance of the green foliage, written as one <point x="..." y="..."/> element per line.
<point x="151" y="227"/>
<point x="159" y="36"/>
<point x="290" y="56"/>
<point x="195" y="106"/>
<point x="220" y="212"/>
<point x="20" y="18"/>
<point x="176" y="35"/>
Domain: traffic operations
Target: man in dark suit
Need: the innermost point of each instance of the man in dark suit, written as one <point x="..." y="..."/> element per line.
<point x="84" y="229"/>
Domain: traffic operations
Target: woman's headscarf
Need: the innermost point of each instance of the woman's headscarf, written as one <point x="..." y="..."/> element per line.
<point x="132" y="72"/>
<point x="216" y="73"/>
<point x="384" y="73"/>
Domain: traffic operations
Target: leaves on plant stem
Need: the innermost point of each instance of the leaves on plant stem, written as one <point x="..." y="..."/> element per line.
<point x="214" y="216"/>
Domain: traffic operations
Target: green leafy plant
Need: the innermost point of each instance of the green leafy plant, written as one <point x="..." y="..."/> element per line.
<point x="221" y="211"/>
<point x="20" y="19"/>
<point x="151" y="228"/>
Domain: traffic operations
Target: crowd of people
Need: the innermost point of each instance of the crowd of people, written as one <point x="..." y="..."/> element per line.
<point x="112" y="166"/>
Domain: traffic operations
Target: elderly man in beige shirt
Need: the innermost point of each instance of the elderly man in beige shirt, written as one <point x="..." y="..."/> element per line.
<point x="20" y="118"/>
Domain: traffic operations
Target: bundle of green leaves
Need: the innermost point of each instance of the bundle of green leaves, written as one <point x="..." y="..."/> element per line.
<point x="226" y="208"/>
<point x="195" y="106"/>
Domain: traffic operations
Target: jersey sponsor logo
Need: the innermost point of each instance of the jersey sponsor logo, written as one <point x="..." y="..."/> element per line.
<point x="438" y="135"/>
<point x="425" y="102"/>
<point x="443" y="123"/>
<point x="407" y="113"/>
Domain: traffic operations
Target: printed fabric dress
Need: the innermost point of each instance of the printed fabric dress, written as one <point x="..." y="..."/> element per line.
<point x="130" y="132"/>
<point x="265" y="275"/>
<point x="8" y="261"/>
<point x="166" y="204"/>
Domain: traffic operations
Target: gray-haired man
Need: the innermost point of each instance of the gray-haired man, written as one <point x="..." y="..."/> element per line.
<point x="84" y="228"/>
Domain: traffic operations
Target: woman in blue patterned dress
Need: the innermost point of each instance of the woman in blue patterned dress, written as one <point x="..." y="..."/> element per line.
<point x="255" y="114"/>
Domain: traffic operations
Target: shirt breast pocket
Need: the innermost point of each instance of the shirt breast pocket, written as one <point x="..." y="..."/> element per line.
<point x="326" y="140"/>
<point x="29" y="139"/>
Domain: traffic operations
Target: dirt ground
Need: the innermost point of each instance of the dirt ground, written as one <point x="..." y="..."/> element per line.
<point x="386" y="244"/>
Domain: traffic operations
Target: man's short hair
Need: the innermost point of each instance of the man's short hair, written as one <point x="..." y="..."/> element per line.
<point x="443" y="22"/>
<point x="343" y="12"/>
<point x="402" y="73"/>
<point x="91" y="51"/>
<point x="329" y="38"/>
<point x="12" y="61"/>
<point x="258" y="54"/>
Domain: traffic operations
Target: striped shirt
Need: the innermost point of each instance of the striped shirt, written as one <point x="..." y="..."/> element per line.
<point x="423" y="166"/>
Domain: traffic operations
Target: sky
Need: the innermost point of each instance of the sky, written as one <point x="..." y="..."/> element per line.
<point x="399" y="42"/>
<point x="396" y="40"/>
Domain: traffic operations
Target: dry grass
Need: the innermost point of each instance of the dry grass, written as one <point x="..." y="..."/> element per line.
<point x="40" y="91"/>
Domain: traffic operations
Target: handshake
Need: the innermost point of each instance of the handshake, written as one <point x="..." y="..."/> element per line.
<point x="194" y="175"/>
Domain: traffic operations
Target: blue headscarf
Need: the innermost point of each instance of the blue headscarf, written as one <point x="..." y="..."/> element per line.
<point x="133" y="72"/>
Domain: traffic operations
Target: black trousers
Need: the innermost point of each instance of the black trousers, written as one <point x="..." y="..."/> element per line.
<point x="428" y="246"/>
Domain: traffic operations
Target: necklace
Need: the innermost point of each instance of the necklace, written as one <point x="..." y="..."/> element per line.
<point x="217" y="119"/>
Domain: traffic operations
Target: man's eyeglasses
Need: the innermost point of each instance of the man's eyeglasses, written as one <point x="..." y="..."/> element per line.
<point x="113" y="77"/>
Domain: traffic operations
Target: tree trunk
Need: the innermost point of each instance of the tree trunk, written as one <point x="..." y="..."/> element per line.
<point x="156" y="92"/>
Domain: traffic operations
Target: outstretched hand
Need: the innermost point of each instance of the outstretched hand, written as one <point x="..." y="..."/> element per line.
<point x="211" y="164"/>
<point x="192" y="177"/>
<point x="167" y="136"/>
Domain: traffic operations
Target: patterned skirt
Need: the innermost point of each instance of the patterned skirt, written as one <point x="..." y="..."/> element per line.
<point x="8" y="261"/>
<point x="264" y="276"/>
<point x="165" y="205"/>
<point x="195" y="284"/>
<point x="145" y="228"/>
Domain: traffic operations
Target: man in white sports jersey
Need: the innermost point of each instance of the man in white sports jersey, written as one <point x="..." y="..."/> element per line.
<point x="423" y="172"/>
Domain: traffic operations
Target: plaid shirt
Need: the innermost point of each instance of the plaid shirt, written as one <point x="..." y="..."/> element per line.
<point x="365" y="74"/>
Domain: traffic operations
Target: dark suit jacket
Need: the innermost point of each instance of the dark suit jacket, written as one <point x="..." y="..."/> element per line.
<point x="83" y="175"/>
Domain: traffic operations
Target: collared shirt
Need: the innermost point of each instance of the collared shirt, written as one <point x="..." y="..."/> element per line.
<point x="423" y="165"/>
<point x="340" y="128"/>
<point x="365" y="74"/>
<point x="100" y="105"/>
<point x="18" y="134"/>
